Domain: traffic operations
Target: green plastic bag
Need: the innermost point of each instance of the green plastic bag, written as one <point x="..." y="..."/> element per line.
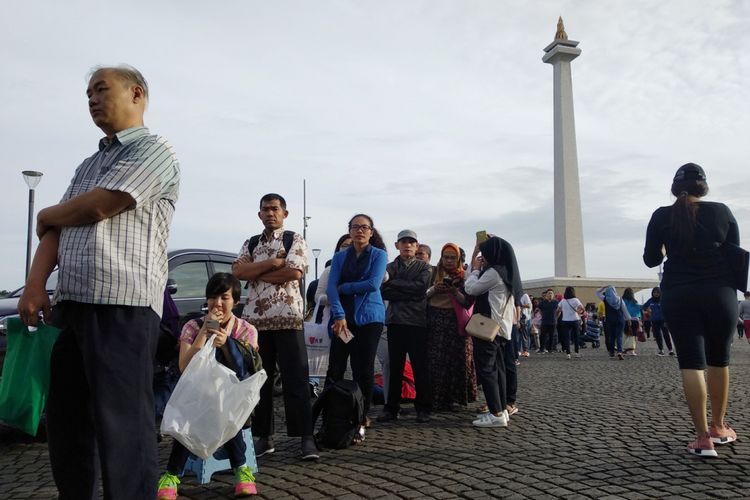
<point x="25" y="378"/>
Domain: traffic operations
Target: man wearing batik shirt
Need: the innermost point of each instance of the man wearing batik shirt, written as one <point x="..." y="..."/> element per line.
<point x="273" y="263"/>
<point x="108" y="236"/>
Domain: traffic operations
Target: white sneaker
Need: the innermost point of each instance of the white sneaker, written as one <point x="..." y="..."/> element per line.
<point x="490" y="420"/>
<point x="506" y="415"/>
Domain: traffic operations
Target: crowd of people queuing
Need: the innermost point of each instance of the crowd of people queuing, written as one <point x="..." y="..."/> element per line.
<point x="110" y="295"/>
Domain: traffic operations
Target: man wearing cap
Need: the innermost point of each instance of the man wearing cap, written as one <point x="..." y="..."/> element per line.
<point x="406" y="318"/>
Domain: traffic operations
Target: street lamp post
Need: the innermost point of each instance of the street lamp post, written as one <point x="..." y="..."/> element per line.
<point x="32" y="179"/>
<point x="316" y="254"/>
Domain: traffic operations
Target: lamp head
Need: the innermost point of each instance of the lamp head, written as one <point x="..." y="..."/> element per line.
<point x="32" y="178"/>
<point x="316" y="252"/>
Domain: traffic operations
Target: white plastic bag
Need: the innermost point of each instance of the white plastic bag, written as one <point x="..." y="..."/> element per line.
<point x="209" y="404"/>
<point x="318" y="342"/>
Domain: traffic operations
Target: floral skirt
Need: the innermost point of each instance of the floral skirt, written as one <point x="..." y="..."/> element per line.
<point x="450" y="359"/>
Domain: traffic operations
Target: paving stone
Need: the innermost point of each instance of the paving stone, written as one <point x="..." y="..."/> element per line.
<point x="581" y="433"/>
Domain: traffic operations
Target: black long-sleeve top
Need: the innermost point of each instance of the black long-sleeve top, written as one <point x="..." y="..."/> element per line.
<point x="703" y="263"/>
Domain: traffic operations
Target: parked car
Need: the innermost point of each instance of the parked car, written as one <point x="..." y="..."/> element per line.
<point x="189" y="271"/>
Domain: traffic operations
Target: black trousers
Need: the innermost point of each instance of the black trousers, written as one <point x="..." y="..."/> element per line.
<point x="362" y="349"/>
<point x="287" y="347"/>
<point x="661" y="334"/>
<point x="489" y="359"/>
<point x="569" y="330"/>
<point x="411" y="340"/>
<point x="511" y="372"/>
<point x="100" y="410"/>
<point x="235" y="449"/>
<point x="547" y="340"/>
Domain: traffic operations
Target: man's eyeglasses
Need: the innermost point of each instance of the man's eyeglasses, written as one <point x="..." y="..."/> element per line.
<point x="363" y="227"/>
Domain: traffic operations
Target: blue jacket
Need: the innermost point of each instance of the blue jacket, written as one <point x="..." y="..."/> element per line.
<point x="368" y="303"/>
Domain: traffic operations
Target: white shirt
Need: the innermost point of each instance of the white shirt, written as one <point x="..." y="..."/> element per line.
<point x="568" y="308"/>
<point x="491" y="282"/>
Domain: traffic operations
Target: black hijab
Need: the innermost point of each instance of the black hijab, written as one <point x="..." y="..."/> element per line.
<point x="499" y="255"/>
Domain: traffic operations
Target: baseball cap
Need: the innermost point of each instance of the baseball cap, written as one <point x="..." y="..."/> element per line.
<point x="407" y="233"/>
<point x="689" y="172"/>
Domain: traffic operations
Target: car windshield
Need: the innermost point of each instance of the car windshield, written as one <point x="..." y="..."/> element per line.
<point x="51" y="286"/>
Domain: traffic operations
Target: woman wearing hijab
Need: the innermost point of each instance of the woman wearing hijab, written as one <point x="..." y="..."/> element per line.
<point x="615" y="315"/>
<point x="450" y="354"/>
<point x="699" y="297"/>
<point x="494" y="279"/>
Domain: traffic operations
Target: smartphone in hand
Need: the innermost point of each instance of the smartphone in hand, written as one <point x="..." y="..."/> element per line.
<point x="212" y="324"/>
<point x="481" y="236"/>
<point x="345" y="335"/>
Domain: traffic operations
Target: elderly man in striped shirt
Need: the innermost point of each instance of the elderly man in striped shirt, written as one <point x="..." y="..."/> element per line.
<point x="108" y="236"/>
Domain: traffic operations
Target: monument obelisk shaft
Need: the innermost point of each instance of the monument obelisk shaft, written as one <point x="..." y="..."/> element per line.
<point x="569" y="254"/>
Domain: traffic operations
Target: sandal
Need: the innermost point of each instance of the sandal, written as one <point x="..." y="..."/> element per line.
<point x="359" y="436"/>
<point x="483" y="409"/>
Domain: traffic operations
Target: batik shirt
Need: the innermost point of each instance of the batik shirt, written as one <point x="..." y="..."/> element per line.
<point x="270" y="306"/>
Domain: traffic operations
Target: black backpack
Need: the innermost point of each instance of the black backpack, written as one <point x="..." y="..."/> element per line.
<point x="342" y="408"/>
<point x="287" y="239"/>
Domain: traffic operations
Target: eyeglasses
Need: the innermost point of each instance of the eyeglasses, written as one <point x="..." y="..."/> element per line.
<point x="363" y="227"/>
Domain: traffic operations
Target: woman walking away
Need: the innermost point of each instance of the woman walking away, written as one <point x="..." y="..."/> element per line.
<point x="699" y="298"/>
<point x="494" y="279"/>
<point x="661" y="333"/>
<point x="634" y="325"/>
<point x="357" y="308"/>
<point x="570" y="326"/>
<point x="614" y="319"/>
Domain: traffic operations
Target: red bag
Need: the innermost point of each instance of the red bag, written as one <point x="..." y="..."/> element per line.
<point x="639" y="334"/>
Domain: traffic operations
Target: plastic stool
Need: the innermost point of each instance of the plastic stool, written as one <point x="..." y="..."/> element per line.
<point x="204" y="469"/>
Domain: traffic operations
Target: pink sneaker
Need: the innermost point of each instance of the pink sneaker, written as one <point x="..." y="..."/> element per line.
<point x="702" y="447"/>
<point x="722" y="435"/>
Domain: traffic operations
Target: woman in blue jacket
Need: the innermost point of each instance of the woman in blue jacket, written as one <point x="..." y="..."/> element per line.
<point x="357" y="307"/>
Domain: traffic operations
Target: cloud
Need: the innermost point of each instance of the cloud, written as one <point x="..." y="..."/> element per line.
<point x="433" y="115"/>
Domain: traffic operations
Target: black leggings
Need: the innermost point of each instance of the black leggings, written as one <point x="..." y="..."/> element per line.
<point x="702" y="320"/>
<point x="569" y="330"/>
<point x="362" y="349"/>
<point x="661" y="334"/>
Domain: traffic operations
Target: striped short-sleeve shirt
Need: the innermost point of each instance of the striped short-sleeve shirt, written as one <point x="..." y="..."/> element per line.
<point x="122" y="260"/>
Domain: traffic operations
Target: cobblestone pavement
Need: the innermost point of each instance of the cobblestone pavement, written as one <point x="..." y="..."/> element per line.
<point x="587" y="428"/>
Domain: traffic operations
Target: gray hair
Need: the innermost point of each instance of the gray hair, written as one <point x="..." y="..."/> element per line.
<point x="124" y="72"/>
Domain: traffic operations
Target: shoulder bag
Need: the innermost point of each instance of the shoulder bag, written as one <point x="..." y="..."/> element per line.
<point x="484" y="328"/>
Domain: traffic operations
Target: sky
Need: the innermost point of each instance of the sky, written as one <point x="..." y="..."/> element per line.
<point x="430" y="115"/>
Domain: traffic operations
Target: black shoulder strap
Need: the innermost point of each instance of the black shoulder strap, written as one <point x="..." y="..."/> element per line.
<point x="288" y="240"/>
<point x="252" y="243"/>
